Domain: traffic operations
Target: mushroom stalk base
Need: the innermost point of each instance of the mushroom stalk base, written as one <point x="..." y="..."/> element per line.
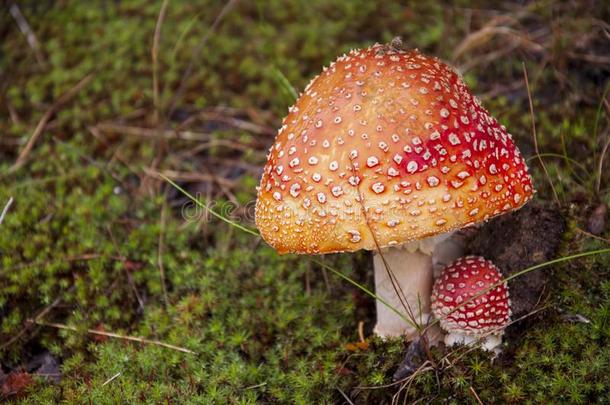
<point x="412" y="279"/>
<point x="491" y="342"/>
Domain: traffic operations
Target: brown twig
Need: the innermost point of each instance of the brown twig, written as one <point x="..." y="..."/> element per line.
<point x="113" y="335"/>
<point x="5" y="209"/>
<point x="108" y="381"/>
<point x="238" y="123"/>
<point x="160" y="142"/>
<point x="155" y="59"/>
<point x="26" y="30"/>
<point x="151" y="133"/>
<point x="500" y="26"/>
<point x="160" y="250"/>
<point x="475" y="395"/>
<point x="189" y="177"/>
<point x="344" y="395"/>
<point x="600" y="166"/>
<point x="12" y="113"/>
<point x="63" y="99"/>
<point x="590" y="235"/>
<point x="220" y="142"/>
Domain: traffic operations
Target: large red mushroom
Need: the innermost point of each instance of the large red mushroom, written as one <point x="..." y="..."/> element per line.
<point x="385" y="147"/>
<point x="472" y="303"/>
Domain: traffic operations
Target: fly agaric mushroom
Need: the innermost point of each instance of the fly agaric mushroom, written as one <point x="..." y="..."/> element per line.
<point x="387" y="146"/>
<point x="464" y="306"/>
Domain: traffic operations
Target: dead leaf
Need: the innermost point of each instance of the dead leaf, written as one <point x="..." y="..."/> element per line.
<point x="16" y="384"/>
<point x="356" y="346"/>
<point x="100" y="338"/>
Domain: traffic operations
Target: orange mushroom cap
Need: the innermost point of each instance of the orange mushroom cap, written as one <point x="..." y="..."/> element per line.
<point x="384" y="147"/>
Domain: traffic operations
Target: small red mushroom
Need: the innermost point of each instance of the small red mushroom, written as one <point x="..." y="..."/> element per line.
<point x="485" y="313"/>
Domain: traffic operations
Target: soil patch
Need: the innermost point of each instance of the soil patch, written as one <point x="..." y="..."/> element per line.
<point x="519" y="240"/>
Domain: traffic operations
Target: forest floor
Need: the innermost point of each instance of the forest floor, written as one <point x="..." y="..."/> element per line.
<point x="116" y="288"/>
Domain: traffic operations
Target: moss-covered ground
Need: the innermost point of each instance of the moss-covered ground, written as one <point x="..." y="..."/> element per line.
<point x="96" y="242"/>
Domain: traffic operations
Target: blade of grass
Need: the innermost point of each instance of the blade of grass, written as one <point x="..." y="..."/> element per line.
<point x="597" y="118"/>
<point x="154" y="53"/>
<point x="112" y="335"/>
<point x="563" y="157"/>
<point x="363" y="288"/>
<point x="208" y="209"/>
<point x="285" y="85"/>
<point x="535" y="136"/>
<point x="555" y="261"/>
<point x="183" y="35"/>
<point x="402" y="298"/>
<point x="6" y="208"/>
<point x="598" y="180"/>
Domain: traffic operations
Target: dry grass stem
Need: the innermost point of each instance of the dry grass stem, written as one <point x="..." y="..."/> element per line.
<point x="63" y="99"/>
<point x="600" y="167"/>
<point x="27" y="31"/>
<point x="155" y="59"/>
<point x="5" y="209"/>
<point x="113" y="335"/>
<point x="160" y="250"/>
<point x="108" y="381"/>
<point x="535" y="136"/>
<point x="190" y="177"/>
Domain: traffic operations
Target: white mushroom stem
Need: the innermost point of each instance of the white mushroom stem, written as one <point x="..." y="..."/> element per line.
<point x="448" y="250"/>
<point x="406" y="284"/>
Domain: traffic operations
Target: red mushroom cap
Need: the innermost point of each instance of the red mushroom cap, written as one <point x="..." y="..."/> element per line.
<point x="463" y="279"/>
<point x="384" y="147"/>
